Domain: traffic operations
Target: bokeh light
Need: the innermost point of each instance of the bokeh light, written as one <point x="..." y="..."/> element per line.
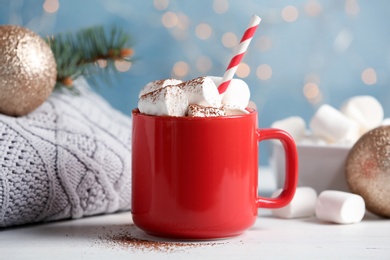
<point x="220" y="6"/>
<point x="311" y="90"/>
<point x="369" y="76"/>
<point x="264" y="72"/>
<point x="243" y="70"/>
<point x="122" y="65"/>
<point x="290" y="13"/>
<point x="312" y="93"/>
<point x="342" y="41"/>
<point x="51" y="6"/>
<point x="203" y="31"/>
<point x="161" y="4"/>
<point x="313" y="8"/>
<point x="229" y="40"/>
<point x="183" y="21"/>
<point x="180" y="69"/>
<point x="169" y="20"/>
<point x="102" y="63"/>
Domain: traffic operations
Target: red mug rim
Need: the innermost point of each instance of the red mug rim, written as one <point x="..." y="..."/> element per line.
<point x="136" y="112"/>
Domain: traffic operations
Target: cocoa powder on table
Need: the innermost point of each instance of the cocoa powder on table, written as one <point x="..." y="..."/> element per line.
<point x="128" y="241"/>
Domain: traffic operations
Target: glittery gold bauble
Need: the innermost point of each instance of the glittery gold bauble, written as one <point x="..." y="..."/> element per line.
<point x="368" y="170"/>
<point x="28" y="70"/>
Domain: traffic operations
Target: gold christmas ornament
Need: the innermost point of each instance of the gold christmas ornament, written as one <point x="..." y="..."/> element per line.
<point x="368" y="170"/>
<point x="28" y="70"/>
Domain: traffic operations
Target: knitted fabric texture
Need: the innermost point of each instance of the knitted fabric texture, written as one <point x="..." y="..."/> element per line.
<point x="68" y="159"/>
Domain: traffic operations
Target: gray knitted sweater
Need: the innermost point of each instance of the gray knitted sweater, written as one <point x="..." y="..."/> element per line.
<point x="68" y="159"/>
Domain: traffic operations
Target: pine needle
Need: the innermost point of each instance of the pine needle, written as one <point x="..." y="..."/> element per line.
<point x="83" y="53"/>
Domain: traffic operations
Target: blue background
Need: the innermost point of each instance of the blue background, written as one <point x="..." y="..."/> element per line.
<point x="318" y="51"/>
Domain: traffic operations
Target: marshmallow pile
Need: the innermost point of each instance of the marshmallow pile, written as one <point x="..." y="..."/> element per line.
<point x="330" y="206"/>
<point x="197" y="97"/>
<point x="356" y="116"/>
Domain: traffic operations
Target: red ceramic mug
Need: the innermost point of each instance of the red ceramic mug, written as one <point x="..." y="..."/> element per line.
<point x="196" y="178"/>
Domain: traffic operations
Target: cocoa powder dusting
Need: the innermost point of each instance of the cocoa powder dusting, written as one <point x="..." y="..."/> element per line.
<point x="202" y="111"/>
<point x="192" y="84"/>
<point x="126" y="240"/>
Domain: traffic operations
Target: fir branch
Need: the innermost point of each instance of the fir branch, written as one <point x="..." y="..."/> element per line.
<point x="78" y="54"/>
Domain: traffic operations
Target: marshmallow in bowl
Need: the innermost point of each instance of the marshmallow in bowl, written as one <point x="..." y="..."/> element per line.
<point x="340" y="207"/>
<point x="333" y="126"/>
<point x="365" y="110"/>
<point x="202" y="111"/>
<point x="167" y="101"/>
<point x="201" y="91"/>
<point x="329" y="126"/>
<point x="157" y="84"/>
<point x="311" y="140"/>
<point x="302" y="205"/>
<point x="237" y="94"/>
<point x="293" y="125"/>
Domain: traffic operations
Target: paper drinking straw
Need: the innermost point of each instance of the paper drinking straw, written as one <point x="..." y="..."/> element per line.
<point x="242" y="47"/>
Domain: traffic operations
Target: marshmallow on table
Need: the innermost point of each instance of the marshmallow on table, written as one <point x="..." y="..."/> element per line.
<point x="201" y="111"/>
<point x="157" y="84"/>
<point x="294" y="125"/>
<point x="365" y="110"/>
<point x="237" y="95"/>
<point x="333" y="126"/>
<point x="302" y="205"/>
<point x="340" y="207"/>
<point x="201" y="91"/>
<point x="168" y="101"/>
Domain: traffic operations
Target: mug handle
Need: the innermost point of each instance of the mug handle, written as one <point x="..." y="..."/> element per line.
<point x="291" y="171"/>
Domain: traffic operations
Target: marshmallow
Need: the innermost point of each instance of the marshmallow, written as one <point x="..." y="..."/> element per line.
<point x="236" y="95"/>
<point x="340" y="207"/>
<point x="365" y="110"/>
<point x="168" y="101"/>
<point x="157" y="84"/>
<point x="309" y="139"/>
<point x="302" y="205"/>
<point x="201" y="111"/>
<point x="333" y="126"/>
<point x="294" y="125"/>
<point x="201" y="91"/>
<point x="385" y="122"/>
<point x="235" y="111"/>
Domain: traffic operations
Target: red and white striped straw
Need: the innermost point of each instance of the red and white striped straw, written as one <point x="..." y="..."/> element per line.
<point x="242" y="47"/>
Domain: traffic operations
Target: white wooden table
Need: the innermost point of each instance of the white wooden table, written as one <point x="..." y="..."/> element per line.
<point x="114" y="237"/>
<point x="106" y="237"/>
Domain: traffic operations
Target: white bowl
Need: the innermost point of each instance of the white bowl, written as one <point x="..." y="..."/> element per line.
<point x="320" y="166"/>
